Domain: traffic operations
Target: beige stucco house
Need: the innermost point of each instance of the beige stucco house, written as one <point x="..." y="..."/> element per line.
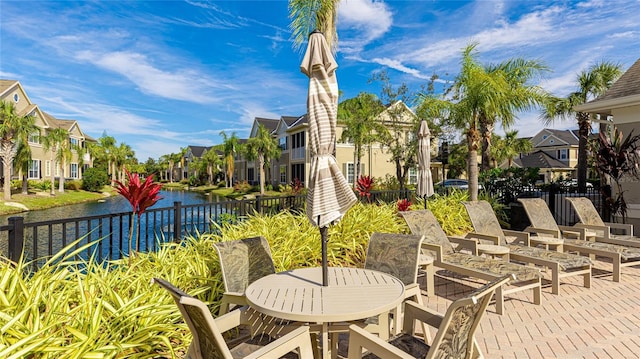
<point x="41" y="163"/>
<point x="555" y="152"/>
<point x="294" y="161"/>
<point x="621" y="105"/>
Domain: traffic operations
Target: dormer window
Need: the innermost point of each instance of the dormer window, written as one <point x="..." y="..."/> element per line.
<point x="551" y="141"/>
<point x="544" y="137"/>
<point x="16" y="98"/>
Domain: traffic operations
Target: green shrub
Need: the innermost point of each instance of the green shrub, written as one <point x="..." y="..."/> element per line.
<point x="93" y="179"/>
<point x="42" y="185"/>
<point x="450" y="212"/>
<point x="242" y="187"/>
<point x="73" y="185"/>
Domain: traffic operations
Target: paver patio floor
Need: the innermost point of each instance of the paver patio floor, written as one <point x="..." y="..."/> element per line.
<point x="598" y="322"/>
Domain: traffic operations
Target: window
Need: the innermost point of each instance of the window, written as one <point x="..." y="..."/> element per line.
<point x="297" y="140"/>
<point x="282" y="143"/>
<point x="16" y="98"/>
<point x="250" y="173"/>
<point x="563" y="154"/>
<point x="283" y="174"/>
<point x="350" y="172"/>
<point x="47" y="168"/>
<point x="34" y="137"/>
<point x="74" y="170"/>
<point x="413" y="175"/>
<point x="74" y="141"/>
<point x="34" y="169"/>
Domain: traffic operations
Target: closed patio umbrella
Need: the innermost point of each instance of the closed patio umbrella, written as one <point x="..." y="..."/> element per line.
<point x="425" y="182"/>
<point x="329" y="195"/>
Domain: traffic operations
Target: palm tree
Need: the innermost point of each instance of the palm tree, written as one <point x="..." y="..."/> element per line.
<point x="484" y="93"/>
<point x="358" y="114"/>
<point x="212" y="161"/>
<point x="57" y="142"/>
<point x="309" y="15"/>
<point x="108" y="146"/>
<point x="520" y="96"/>
<point x="262" y="147"/>
<point x="592" y="83"/>
<point x="23" y="155"/>
<point x="230" y="147"/>
<point x="508" y="147"/>
<point x="13" y="128"/>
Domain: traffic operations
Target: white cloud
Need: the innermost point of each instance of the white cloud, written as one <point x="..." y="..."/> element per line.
<point x="364" y="21"/>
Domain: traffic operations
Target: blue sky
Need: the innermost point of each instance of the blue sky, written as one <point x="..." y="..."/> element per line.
<point x="160" y="75"/>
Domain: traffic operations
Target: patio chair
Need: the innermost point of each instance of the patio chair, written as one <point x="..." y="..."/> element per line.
<point x="422" y="222"/>
<point x="208" y="341"/>
<point x="486" y="227"/>
<point x="574" y="238"/>
<point x="242" y="262"/>
<point x="454" y="338"/>
<point x="589" y="218"/>
<point x="398" y="255"/>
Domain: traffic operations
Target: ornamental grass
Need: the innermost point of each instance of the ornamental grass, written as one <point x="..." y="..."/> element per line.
<point x="73" y="308"/>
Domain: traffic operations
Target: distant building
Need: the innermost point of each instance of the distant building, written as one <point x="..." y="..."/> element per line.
<point x="41" y="164"/>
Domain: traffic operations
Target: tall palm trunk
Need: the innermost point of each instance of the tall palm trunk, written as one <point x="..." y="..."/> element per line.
<point x="584" y="129"/>
<point x="261" y="164"/>
<point x="8" y="153"/>
<point x="61" y="181"/>
<point x="473" y="140"/>
<point x="486" y="129"/>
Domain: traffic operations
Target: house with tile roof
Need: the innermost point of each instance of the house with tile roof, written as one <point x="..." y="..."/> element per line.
<point x="42" y="163"/>
<point x="620" y="106"/>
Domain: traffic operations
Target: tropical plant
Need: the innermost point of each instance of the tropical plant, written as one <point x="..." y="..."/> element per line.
<point x="358" y="115"/>
<point x="23" y="155"/>
<point x="231" y="145"/>
<point x="403" y="205"/>
<point x="592" y="83"/>
<point x="13" y="130"/>
<point x="309" y="15"/>
<point x="212" y="162"/>
<point x="364" y="185"/>
<point x="262" y="147"/>
<point x="618" y="157"/>
<point x="508" y="147"/>
<point x="141" y="196"/>
<point x="54" y="142"/>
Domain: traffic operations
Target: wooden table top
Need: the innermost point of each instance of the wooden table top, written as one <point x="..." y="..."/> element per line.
<point x="352" y="293"/>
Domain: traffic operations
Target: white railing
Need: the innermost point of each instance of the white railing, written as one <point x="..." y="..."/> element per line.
<point x="297" y="153"/>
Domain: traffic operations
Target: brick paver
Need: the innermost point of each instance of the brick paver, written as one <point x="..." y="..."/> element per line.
<point x="598" y="322"/>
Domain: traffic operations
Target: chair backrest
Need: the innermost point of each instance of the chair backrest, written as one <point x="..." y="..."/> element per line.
<point x="483" y="219"/>
<point x="244" y="261"/>
<point x="424" y="223"/>
<point x="207" y="339"/>
<point x="539" y="214"/>
<point x="395" y="254"/>
<point x="586" y="211"/>
<point x="454" y="338"/>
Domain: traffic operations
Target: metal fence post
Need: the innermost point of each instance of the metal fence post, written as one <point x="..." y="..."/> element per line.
<point x="177" y="221"/>
<point x="16" y="238"/>
<point x="258" y="207"/>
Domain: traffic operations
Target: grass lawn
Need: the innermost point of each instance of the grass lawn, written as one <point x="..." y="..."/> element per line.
<point x="43" y="200"/>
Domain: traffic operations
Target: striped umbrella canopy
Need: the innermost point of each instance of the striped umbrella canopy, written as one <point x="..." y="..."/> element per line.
<point x="425" y="182"/>
<point x="329" y="195"/>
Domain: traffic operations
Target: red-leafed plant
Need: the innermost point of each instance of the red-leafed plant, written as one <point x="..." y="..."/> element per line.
<point x="364" y="185"/>
<point x="403" y="204"/>
<point x="141" y="196"/>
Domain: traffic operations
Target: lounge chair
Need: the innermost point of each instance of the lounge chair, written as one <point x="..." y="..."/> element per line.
<point x="436" y="242"/>
<point x="242" y="262"/>
<point x="454" y="339"/>
<point x="487" y="228"/>
<point x="590" y="219"/>
<point x="574" y="238"/>
<point x="208" y="341"/>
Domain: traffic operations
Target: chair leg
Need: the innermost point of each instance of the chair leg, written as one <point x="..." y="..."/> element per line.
<point x="499" y="296"/>
<point x="616" y="269"/>
<point x="587" y="279"/>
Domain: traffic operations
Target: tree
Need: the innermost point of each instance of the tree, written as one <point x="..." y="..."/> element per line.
<point x="23" y="155"/>
<point x="520" y="95"/>
<point x="56" y="141"/>
<point x="508" y="147"/>
<point x="13" y="129"/>
<point x="107" y="146"/>
<point x="231" y="145"/>
<point x="401" y="147"/>
<point x="212" y="161"/>
<point x="616" y="158"/>
<point x="262" y="147"/>
<point x="358" y="115"/>
<point x="309" y="15"/>
<point x="591" y="83"/>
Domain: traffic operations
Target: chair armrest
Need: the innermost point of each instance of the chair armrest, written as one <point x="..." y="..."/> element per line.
<point x="414" y="311"/>
<point x="521" y="237"/>
<point x="573" y="232"/>
<point x="606" y="232"/>
<point x="488" y="237"/>
<point x="296" y="339"/>
<point x="433" y="247"/>
<point x="360" y="338"/>
<point x="626" y="228"/>
<point x="231" y="320"/>
<point x="464" y="243"/>
<point x="554" y="233"/>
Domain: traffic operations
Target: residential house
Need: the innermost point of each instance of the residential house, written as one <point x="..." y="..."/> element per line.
<point x="42" y="162"/>
<point x="555" y="152"/>
<point x="293" y="164"/>
<point x="621" y="105"/>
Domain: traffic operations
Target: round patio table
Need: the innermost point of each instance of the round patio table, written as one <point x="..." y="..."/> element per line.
<point x="351" y="294"/>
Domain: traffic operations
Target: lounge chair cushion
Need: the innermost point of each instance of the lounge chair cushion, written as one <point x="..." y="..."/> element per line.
<point x="626" y="253"/>
<point x="492" y="266"/>
<point x="564" y="260"/>
<point x="423" y="222"/>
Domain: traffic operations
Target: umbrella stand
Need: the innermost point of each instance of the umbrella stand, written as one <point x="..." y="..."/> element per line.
<point x="325" y="267"/>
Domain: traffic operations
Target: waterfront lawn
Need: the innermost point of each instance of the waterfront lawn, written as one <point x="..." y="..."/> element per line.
<point x="42" y="200"/>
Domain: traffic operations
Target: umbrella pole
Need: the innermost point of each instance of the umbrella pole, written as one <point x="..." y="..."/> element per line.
<point x="323" y="236"/>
